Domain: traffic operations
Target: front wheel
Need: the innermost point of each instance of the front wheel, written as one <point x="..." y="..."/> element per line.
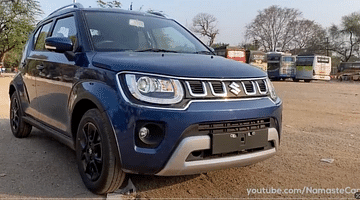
<point x="19" y="128"/>
<point x="97" y="154"/>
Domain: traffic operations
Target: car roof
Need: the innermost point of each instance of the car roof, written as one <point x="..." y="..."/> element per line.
<point x="78" y="7"/>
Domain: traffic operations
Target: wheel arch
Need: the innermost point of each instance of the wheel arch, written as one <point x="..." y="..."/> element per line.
<point x="12" y="89"/>
<point x="79" y="110"/>
<point x="89" y="95"/>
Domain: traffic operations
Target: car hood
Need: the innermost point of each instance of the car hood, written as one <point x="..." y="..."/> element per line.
<point x="176" y="64"/>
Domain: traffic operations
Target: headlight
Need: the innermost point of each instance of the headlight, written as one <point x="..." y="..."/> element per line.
<point x="271" y="88"/>
<point x="152" y="89"/>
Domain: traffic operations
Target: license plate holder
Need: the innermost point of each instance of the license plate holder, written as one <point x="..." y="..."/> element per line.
<point x="232" y="142"/>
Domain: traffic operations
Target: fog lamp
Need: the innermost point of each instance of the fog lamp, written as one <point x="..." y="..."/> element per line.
<point x="143" y="132"/>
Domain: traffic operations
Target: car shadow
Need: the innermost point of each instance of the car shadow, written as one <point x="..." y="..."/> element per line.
<point x="40" y="166"/>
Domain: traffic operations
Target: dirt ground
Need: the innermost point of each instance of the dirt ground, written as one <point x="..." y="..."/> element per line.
<point x="321" y="120"/>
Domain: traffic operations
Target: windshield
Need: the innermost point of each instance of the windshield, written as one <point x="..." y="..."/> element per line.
<point x="304" y="61"/>
<point x="113" y="31"/>
<point x="323" y="60"/>
<point x="288" y="59"/>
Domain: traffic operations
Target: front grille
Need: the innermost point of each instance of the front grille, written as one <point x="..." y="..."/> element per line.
<point x="234" y="126"/>
<point x="226" y="88"/>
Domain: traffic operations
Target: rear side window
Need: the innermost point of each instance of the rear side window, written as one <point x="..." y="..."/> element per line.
<point x="40" y="40"/>
<point x="65" y="27"/>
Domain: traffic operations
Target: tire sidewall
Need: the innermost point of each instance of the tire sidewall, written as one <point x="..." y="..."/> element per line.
<point x="94" y="116"/>
<point x="19" y="133"/>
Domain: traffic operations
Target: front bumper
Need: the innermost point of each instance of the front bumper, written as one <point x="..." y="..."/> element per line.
<point x="177" y="164"/>
<point x="322" y="77"/>
<point x="179" y="126"/>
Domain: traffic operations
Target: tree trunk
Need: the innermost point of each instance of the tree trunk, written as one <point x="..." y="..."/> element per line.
<point x="2" y="58"/>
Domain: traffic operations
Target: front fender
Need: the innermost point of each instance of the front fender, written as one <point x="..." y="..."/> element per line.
<point x="106" y="98"/>
<point x="102" y="95"/>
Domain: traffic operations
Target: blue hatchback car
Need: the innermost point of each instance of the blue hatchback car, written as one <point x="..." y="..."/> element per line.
<point x="136" y="92"/>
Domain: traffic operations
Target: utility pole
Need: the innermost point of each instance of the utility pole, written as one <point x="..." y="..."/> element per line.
<point x="74" y="1"/>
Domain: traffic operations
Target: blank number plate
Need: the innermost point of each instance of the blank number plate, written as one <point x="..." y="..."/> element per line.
<point x="231" y="142"/>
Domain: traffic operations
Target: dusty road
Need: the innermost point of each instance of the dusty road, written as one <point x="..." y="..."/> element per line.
<point x="320" y="120"/>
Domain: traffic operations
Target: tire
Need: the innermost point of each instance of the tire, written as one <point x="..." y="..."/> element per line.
<point x="19" y="128"/>
<point x="97" y="154"/>
<point x="295" y="80"/>
<point x="307" y="80"/>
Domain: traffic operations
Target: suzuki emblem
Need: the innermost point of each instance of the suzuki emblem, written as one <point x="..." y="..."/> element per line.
<point x="235" y="88"/>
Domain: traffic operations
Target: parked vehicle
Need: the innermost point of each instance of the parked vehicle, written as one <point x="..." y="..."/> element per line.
<point x="233" y="53"/>
<point x="134" y="92"/>
<point x="281" y="65"/>
<point x="312" y="67"/>
<point x="257" y="58"/>
<point x="348" y="71"/>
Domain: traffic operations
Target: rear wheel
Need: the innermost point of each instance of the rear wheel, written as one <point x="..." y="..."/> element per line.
<point x="97" y="154"/>
<point x="307" y="80"/>
<point x="295" y="80"/>
<point x="19" y="128"/>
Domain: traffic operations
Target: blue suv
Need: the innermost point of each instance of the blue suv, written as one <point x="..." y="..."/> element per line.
<point x="135" y="92"/>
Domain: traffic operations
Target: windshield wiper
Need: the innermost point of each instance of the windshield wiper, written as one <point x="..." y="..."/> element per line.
<point x="156" y="50"/>
<point x="203" y="52"/>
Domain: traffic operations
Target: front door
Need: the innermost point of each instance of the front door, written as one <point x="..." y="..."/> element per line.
<point x="56" y="79"/>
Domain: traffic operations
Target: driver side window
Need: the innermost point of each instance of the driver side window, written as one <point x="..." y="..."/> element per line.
<point x="66" y="27"/>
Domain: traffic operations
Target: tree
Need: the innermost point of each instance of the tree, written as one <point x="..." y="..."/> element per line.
<point x="309" y="37"/>
<point x="345" y="38"/>
<point x="12" y="58"/>
<point x="17" y="20"/>
<point x="205" y="25"/>
<point x="274" y="27"/>
<point x="109" y="4"/>
<point x="217" y="45"/>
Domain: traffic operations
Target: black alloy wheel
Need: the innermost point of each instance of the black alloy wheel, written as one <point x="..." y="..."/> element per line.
<point x="97" y="154"/>
<point x="19" y="128"/>
<point x="91" y="151"/>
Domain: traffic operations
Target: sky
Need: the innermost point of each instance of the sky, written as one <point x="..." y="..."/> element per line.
<point x="232" y="15"/>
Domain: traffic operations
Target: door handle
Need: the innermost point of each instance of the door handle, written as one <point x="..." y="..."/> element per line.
<point x="40" y="67"/>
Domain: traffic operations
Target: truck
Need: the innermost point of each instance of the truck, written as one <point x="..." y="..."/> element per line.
<point x="234" y="53"/>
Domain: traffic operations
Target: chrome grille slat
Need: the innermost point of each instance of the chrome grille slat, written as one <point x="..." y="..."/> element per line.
<point x="218" y="88"/>
<point x="249" y="87"/>
<point x="261" y="84"/>
<point x="197" y="88"/>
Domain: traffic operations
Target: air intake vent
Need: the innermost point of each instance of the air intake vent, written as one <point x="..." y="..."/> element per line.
<point x="249" y="87"/>
<point x="197" y="88"/>
<point x="235" y="126"/>
<point x="218" y="88"/>
<point x="262" y="86"/>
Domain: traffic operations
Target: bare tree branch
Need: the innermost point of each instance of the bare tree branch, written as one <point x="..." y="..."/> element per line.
<point x="205" y="25"/>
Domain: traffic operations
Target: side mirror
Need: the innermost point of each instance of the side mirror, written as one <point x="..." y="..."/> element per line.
<point x="58" y="44"/>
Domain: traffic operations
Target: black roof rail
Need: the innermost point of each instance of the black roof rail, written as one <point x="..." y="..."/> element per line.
<point x="74" y="5"/>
